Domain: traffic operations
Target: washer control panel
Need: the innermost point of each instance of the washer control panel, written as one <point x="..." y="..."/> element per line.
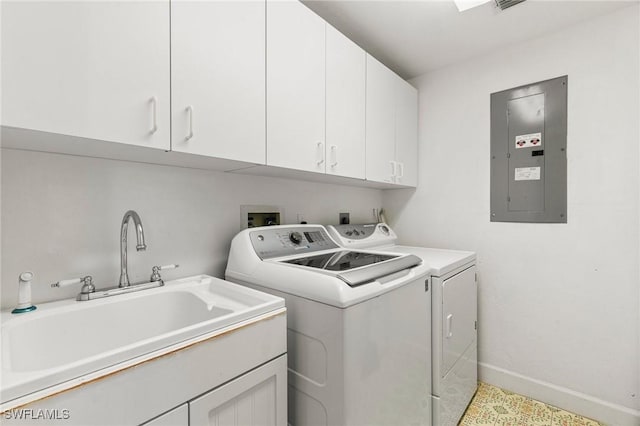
<point x="277" y="241"/>
<point x="363" y="235"/>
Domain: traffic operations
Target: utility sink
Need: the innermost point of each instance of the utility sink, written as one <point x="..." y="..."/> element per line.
<point x="65" y="340"/>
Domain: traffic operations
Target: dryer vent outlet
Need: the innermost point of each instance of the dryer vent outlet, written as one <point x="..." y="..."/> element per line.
<point x="344" y="218"/>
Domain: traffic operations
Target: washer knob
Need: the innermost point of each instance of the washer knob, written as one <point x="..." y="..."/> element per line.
<point x="384" y="229"/>
<point x="295" y="237"/>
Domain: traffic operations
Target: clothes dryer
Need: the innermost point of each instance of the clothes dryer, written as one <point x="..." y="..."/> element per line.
<point x="452" y="276"/>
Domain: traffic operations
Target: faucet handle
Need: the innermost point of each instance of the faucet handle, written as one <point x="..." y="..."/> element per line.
<point x="66" y="283"/>
<point x="87" y="282"/>
<point x="155" y="271"/>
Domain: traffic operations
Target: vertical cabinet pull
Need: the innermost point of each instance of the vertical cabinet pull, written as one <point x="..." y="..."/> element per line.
<point x="400" y="173"/>
<point x="334" y="155"/>
<point x="449" y="321"/>
<point x="320" y="154"/>
<point x="393" y="170"/>
<point x="154" y="114"/>
<point x="190" y="112"/>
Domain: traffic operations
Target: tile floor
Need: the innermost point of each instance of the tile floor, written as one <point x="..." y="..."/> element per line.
<point x="493" y="406"/>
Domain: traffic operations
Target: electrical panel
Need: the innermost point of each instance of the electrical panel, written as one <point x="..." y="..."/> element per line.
<point x="529" y="153"/>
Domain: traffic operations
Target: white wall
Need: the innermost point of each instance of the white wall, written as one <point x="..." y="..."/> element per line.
<point x="558" y="304"/>
<point x="61" y="217"/>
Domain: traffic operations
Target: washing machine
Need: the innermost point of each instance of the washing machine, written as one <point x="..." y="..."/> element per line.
<point x="358" y="325"/>
<point x="453" y="280"/>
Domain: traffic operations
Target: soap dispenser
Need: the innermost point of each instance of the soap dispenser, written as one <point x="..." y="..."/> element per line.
<point x="24" y="294"/>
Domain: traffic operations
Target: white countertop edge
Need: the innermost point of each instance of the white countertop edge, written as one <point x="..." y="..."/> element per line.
<point x="78" y="381"/>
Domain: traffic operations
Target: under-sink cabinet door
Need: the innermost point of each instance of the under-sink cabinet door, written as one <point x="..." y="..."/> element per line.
<point x="92" y="69"/>
<point x="218" y="78"/>
<point x="256" y="398"/>
<point x="177" y="417"/>
<point x="295" y="87"/>
<point x="345" y="148"/>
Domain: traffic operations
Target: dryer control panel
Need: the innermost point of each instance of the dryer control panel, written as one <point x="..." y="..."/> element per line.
<point x="279" y="241"/>
<point x="363" y="235"/>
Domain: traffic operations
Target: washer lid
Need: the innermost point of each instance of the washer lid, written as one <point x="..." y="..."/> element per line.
<point x="356" y="267"/>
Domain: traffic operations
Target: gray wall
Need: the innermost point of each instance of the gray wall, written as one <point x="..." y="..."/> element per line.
<point x="61" y="217"/>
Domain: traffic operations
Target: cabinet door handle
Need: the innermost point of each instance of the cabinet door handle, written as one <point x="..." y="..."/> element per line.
<point x="154" y="114"/>
<point x="334" y="155"/>
<point x="190" y="112"/>
<point x="393" y="170"/>
<point x="449" y="321"/>
<point x="400" y="175"/>
<point x="320" y="154"/>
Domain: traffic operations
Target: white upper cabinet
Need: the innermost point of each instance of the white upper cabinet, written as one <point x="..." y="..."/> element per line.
<point x="345" y="97"/>
<point x="96" y="70"/>
<point x="381" y="111"/>
<point x="392" y="127"/>
<point x="406" y="134"/>
<point x="264" y="82"/>
<point x="218" y="78"/>
<point x="295" y="87"/>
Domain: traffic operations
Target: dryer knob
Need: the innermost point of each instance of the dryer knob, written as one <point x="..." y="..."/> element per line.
<point x="295" y="237"/>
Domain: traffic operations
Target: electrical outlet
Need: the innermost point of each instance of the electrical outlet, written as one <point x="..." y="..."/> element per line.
<point x="344" y="218"/>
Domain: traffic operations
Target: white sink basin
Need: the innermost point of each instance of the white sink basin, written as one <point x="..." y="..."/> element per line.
<point x="64" y="340"/>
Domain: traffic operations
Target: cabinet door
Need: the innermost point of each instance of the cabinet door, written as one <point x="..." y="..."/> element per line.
<point x="406" y="133"/>
<point x="177" y="417"/>
<point x="218" y="78"/>
<point x="256" y="398"/>
<point x="295" y="86"/>
<point x="380" y="133"/>
<point x="97" y="70"/>
<point x="345" y="96"/>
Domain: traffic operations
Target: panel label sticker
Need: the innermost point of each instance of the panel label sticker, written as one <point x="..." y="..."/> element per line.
<point x="527" y="173"/>
<point x="529" y="141"/>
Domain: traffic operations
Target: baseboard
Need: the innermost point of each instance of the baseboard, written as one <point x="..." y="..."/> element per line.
<point x="558" y="396"/>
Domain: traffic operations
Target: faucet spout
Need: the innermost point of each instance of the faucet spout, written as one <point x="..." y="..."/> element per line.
<point x="141" y="246"/>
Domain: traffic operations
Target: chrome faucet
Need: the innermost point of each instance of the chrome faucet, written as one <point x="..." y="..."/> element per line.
<point x="141" y="246"/>
<point x="89" y="291"/>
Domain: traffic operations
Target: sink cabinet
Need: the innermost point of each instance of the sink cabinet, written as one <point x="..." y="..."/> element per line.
<point x="251" y="399"/>
<point x="179" y="416"/>
<point x="241" y="369"/>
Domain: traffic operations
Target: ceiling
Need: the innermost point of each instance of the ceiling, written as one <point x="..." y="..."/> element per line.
<point x="414" y="37"/>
